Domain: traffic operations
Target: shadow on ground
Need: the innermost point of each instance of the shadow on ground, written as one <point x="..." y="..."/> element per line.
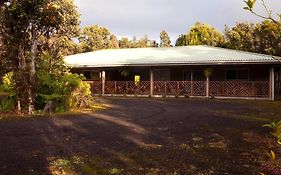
<point x="138" y="136"/>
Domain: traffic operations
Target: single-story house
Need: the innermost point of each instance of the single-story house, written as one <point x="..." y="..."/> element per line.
<point x="193" y="71"/>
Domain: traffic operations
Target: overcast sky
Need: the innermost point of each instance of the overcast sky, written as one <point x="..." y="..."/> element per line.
<point x="139" y="17"/>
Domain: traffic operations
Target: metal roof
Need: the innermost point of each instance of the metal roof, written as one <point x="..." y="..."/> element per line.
<point x="186" y="55"/>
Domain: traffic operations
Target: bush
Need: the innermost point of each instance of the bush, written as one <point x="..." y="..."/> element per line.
<point x="7" y="94"/>
<point x="67" y="91"/>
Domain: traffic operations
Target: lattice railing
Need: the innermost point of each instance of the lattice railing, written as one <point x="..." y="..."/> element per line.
<point x="96" y="86"/>
<point x="239" y="88"/>
<point x="185" y="88"/>
<point x="127" y="87"/>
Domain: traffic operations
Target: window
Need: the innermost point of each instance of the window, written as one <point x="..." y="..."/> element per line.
<point x="92" y="75"/>
<point x="161" y="75"/>
<point x="197" y="75"/>
<point x="237" y="74"/>
<point x="187" y="75"/>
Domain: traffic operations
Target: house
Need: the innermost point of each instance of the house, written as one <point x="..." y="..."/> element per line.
<point x="193" y="71"/>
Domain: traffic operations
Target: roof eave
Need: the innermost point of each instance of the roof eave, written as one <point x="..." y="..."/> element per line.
<point x="178" y="64"/>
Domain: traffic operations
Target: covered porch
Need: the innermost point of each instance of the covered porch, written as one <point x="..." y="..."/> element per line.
<point x="191" y="71"/>
<point x="232" y="81"/>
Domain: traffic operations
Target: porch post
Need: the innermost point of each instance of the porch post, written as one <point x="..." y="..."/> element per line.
<point x="103" y="82"/>
<point x="271" y="74"/>
<point x="151" y="82"/>
<point x="207" y="86"/>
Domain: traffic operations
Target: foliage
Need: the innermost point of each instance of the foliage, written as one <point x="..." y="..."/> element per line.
<point x="94" y="38"/>
<point x="29" y="28"/>
<point x="264" y="37"/>
<point x="276" y="130"/>
<point x="7" y="104"/>
<point x="67" y="91"/>
<point x="165" y="40"/>
<point x="240" y="37"/>
<point x="273" y="166"/>
<point x="201" y="34"/>
<point x="250" y="4"/>
<point x="7" y="96"/>
<point x="135" y="43"/>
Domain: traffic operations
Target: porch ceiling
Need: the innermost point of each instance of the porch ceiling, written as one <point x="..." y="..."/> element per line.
<point x="187" y="55"/>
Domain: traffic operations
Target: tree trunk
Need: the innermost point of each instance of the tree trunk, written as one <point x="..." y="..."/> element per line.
<point x="32" y="70"/>
<point x="21" y="68"/>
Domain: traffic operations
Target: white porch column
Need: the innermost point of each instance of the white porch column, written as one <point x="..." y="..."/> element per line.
<point x="103" y="82"/>
<point x="271" y="81"/>
<point x="151" y="82"/>
<point x="207" y="86"/>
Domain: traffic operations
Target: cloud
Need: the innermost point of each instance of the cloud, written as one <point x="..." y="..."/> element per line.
<point x="140" y="17"/>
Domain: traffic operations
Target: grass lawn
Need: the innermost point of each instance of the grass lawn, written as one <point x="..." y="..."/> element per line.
<point x="142" y="136"/>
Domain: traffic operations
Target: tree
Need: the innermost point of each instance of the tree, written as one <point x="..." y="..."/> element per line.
<point x="181" y="41"/>
<point x="204" y="34"/>
<point x="125" y="43"/>
<point x="26" y="26"/>
<point x="164" y="39"/>
<point x="94" y="38"/>
<point x="201" y="34"/>
<point x="113" y="42"/>
<point x="241" y="37"/>
<point x="268" y="37"/>
<point x="143" y="42"/>
<point x="264" y="37"/>
<point x="250" y="4"/>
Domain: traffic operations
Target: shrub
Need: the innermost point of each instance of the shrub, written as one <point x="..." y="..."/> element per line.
<point x="68" y="91"/>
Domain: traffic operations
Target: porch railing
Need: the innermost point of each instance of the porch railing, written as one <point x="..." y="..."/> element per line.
<point x="254" y="89"/>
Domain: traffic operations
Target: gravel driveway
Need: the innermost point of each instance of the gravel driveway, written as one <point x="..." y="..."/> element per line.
<point x="138" y="136"/>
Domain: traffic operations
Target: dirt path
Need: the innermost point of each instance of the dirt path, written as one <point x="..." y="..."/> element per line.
<point x="138" y="136"/>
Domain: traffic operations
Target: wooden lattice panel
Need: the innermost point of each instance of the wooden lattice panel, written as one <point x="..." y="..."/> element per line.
<point x="172" y="88"/>
<point x="159" y="87"/>
<point x="239" y="89"/>
<point x="189" y="88"/>
<point x="184" y="88"/>
<point x="144" y="88"/>
<point x="120" y="87"/>
<point x="110" y="87"/>
<point x="198" y="88"/>
<point x="261" y="89"/>
<point x="132" y="87"/>
<point x="96" y="87"/>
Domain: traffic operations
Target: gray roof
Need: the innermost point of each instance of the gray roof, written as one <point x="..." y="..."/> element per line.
<point x="187" y="55"/>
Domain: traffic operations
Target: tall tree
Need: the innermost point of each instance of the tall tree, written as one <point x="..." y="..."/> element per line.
<point x="264" y="37"/>
<point x="23" y="24"/>
<point x="113" y="43"/>
<point x="125" y="43"/>
<point x="240" y="37"/>
<point x="201" y="34"/>
<point x="143" y="42"/>
<point x="94" y="38"/>
<point x="204" y="34"/>
<point x="164" y="39"/>
<point x="181" y="41"/>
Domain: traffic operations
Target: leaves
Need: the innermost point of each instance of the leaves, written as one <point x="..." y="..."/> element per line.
<point x="250" y="4"/>
<point x="201" y="34"/>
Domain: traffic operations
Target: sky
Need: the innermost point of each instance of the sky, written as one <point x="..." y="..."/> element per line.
<point x="128" y="18"/>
